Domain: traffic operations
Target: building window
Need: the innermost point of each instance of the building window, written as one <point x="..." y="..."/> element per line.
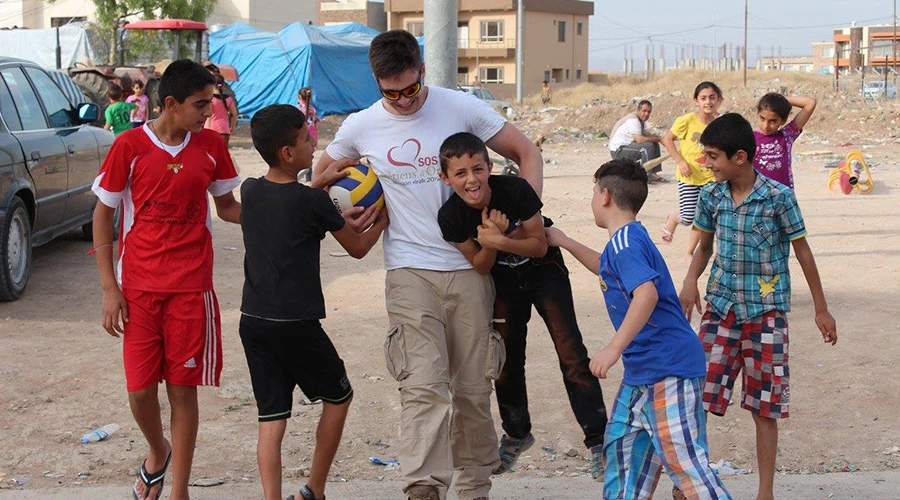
<point x="491" y="75"/>
<point x="562" y="30"/>
<point x="828" y="52"/>
<point x="881" y="48"/>
<point x="492" y="31"/>
<point x="56" y="22"/>
<point x="579" y="28"/>
<point x="578" y="74"/>
<point x="567" y="74"/>
<point x="417" y="28"/>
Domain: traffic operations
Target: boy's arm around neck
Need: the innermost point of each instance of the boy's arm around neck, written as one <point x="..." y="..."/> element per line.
<point x="481" y="258"/>
<point x="824" y="320"/>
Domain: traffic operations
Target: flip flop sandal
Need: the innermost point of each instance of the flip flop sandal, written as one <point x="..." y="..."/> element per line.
<point x="666" y="234"/>
<point x="150" y="480"/>
<point x="305" y="494"/>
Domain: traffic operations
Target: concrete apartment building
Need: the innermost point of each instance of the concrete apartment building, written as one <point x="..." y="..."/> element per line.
<point x="365" y="12"/>
<point x="267" y="15"/>
<point x="869" y="47"/>
<point x="821" y="61"/>
<point x="555" y="45"/>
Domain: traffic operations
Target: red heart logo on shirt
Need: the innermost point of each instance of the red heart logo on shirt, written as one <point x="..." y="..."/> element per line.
<point x="407" y="155"/>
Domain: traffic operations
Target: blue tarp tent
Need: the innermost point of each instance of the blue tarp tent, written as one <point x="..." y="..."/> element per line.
<point x="333" y="61"/>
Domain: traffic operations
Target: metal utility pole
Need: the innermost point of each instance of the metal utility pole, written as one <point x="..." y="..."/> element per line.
<point x="716" y="45"/>
<point x="441" y="34"/>
<point x="894" y="45"/>
<point x="745" y="42"/>
<point x="520" y="49"/>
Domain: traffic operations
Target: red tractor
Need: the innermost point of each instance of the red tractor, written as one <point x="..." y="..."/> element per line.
<point x="94" y="80"/>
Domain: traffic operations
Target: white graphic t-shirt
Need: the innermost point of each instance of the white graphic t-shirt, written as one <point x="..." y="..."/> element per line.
<point x="403" y="150"/>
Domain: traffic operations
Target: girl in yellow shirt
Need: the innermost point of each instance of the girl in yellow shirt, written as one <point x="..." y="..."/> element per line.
<point x="692" y="173"/>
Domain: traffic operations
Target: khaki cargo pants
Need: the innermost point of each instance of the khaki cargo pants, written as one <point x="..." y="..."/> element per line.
<point x="443" y="351"/>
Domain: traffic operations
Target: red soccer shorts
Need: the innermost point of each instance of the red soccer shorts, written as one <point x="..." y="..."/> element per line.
<point x="176" y="337"/>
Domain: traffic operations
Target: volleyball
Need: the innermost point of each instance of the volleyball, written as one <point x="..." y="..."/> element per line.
<point x="359" y="189"/>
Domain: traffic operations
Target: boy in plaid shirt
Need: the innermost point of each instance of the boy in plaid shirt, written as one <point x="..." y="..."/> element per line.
<point x="755" y="221"/>
<point x="657" y="421"/>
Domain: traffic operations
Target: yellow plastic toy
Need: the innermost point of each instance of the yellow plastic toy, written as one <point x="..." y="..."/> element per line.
<point x="851" y="174"/>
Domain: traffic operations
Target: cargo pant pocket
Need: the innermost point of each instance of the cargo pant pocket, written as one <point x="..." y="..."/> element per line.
<point x="395" y="353"/>
<point x="496" y="356"/>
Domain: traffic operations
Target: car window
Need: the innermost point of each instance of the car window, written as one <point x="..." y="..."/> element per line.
<point x="30" y="112"/>
<point x="58" y="107"/>
<point x="487" y="95"/>
<point x="8" y="109"/>
<point x="478" y="93"/>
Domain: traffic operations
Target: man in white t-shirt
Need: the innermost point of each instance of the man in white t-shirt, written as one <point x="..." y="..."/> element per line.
<point x="630" y="140"/>
<point x="440" y="345"/>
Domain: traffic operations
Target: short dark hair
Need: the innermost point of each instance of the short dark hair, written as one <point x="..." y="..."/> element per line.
<point x="644" y="101"/>
<point x="394" y="52"/>
<point x="114" y="91"/>
<point x="462" y="143"/>
<point x="138" y="83"/>
<point x="776" y="103"/>
<point x="730" y="133"/>
<point x="707" y="85"/>
<point x="626" y="181"/>
<point x="274" y="127"/>
<point x="182" y="79"/>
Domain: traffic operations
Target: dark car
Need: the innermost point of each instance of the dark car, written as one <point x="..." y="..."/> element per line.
<point x="48" y="161"/>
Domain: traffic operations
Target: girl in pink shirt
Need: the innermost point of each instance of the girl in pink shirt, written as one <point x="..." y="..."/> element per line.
<point x="224" y="112"/>
<point x="304" y="103"/>
<point x="774" y="139"/>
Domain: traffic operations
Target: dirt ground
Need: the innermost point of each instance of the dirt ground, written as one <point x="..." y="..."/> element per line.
<point x="61" y="374"/>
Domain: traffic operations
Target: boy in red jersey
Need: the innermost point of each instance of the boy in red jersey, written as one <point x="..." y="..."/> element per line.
<point x="162" y="285"/>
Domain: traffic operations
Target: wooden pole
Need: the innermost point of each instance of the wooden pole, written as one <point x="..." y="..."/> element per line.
<point x="745" y="42"/>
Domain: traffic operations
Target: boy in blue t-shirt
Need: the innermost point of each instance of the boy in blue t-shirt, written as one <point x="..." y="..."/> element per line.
<point x="657" y="419"/>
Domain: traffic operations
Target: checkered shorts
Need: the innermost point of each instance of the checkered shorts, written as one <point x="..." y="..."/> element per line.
<point x="759" y="346"/>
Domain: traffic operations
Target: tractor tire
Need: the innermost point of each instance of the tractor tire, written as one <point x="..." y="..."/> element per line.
<point x="94" y="87"/>
<point x="151" y="88"/>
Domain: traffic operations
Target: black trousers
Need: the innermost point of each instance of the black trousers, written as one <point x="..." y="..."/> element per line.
<point x="544" y="284"/>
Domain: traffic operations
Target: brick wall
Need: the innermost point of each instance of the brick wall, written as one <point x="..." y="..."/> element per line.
<point x="343" y="16"/>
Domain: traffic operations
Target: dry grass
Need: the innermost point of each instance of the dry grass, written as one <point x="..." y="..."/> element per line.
<point x="592" y="109"/>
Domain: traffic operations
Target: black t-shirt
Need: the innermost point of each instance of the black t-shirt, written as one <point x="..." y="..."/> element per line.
<point x="283" y="226"/>
<point x="511" y="195"/>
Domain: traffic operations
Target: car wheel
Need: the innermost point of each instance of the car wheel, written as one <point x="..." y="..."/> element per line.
<point x="15" y="250"/>
<point x="87" y="230"/>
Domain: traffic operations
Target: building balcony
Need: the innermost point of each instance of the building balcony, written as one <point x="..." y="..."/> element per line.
<point x="487" y="47"/>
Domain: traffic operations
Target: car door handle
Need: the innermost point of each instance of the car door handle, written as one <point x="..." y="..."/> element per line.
<point x="71" y="149"/>
<point x="36" y="156"/>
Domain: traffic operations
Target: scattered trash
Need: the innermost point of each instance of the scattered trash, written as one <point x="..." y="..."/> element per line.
<point x="230" y="249"/>
<point x="339" y="254"/>
<point x="384" y="461"/>
<point x="204" y="482"/>
<point x="99" y="434"/>
<point x="845" y="144"/>
<point x="893" y="450"/>
<point x="725" y="468"/>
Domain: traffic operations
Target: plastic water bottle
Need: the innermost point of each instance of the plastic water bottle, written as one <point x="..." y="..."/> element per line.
<point x="99" y="434"/>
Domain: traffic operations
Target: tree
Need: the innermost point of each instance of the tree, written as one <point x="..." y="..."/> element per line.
<point x="113" y="14"/>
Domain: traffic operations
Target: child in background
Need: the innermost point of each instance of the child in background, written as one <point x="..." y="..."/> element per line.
<point x="224" y="112"/>
<point x="657" y="420"/>
<point x="140" y="114"/>
<point x="754" y="222"/>
<point x="546" y="93"/>
<point x="692" y="173"/>
<point x="304" y="103"/>
<point x="774" y="139"/>
<point x="118" y="113"/>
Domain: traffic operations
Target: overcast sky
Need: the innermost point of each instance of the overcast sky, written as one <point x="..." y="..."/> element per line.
<point x="791" y="24"/>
